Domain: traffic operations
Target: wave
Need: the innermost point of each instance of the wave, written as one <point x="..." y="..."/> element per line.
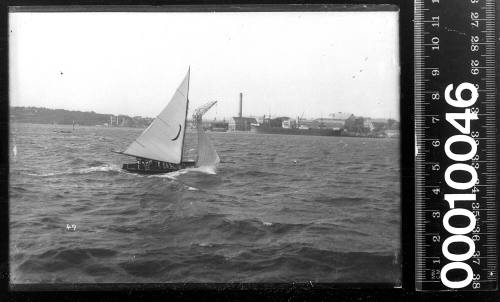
<point x="257" y="174"/>
<point x="94" y="163"/>
<point x="148" y="268"/>
<point x="77" y="161"/>
<point x="340" y="201"/>
<point x="62" y="259"/>
<point x="103" y="139"/>
<point x="301" y="263"/>
<point x="98" y="270"/>
<point x="274" y="263"/>
<point x="77" y="254"/>
<point x="255" y="229"/>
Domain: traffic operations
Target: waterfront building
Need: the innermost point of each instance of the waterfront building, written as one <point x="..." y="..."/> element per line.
<point x="241" y="123"/>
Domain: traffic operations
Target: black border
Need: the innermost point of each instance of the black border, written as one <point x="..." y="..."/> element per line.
<point x="232" y="292"/>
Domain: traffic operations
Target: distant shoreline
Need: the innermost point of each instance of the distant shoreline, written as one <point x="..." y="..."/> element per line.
<point x="40" y="115"/>
<point x="190" y="130"/>
<point x="69" y="126"/>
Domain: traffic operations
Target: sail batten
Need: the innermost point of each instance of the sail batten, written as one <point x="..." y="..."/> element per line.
<point x="163" y="139"/>
<point x="163" y="121"/>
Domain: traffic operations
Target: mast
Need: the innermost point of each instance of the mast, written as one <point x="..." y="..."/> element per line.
<point x="185" y="120"/>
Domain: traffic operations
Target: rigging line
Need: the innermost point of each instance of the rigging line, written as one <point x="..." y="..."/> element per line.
<point x="137" y="141"/>
<point x="181" y="92"/>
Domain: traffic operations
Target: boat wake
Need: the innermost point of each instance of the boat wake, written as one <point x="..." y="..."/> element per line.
<point x="45" y="174"/>
<point x="116" y="168"/>
<point x="101" y="168"/>
<point x="206" y="169"/>
<point x="173" y="175"/>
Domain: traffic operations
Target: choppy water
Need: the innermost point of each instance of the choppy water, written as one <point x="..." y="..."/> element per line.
<point x="278" y="209"/>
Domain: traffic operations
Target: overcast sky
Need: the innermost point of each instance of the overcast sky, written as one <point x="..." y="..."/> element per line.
<point x="285" y="63"/>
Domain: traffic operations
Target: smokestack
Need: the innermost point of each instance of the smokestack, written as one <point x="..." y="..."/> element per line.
<point x="241" y="104"/>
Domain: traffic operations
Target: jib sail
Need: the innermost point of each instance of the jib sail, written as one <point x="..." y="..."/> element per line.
<point x="207" y="156"/>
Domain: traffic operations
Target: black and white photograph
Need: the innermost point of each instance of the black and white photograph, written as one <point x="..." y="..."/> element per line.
<point x="204" y="146"/>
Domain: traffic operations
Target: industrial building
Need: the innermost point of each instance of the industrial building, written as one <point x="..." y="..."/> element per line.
<point x="219" y="126"/>
<point x="241" y="123"/>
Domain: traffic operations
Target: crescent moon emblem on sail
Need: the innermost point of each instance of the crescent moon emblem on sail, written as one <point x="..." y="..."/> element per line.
<point x="178" y="133"/>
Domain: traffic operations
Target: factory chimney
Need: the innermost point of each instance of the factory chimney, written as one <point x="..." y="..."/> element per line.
<point x="241" y="105"/>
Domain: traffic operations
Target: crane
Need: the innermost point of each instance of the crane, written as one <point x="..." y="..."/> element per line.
<point x="200" y="111"/>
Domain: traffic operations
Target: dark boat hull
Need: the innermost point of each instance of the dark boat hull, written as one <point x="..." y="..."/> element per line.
<point x="295" y="131"/>
<point x="143" y="169"/>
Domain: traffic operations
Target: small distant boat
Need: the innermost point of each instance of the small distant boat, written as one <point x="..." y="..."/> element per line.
<point x="159" y="149"/>
<point x="14" y="150"/>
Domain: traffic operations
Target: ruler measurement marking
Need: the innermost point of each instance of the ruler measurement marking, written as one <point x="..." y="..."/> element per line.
<point x="429" y="155"/>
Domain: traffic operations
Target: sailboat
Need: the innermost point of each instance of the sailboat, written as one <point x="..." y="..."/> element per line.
<point x="160" y="147"/>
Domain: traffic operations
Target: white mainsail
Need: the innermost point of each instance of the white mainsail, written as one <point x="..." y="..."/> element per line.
<point x="163" y="140"/>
